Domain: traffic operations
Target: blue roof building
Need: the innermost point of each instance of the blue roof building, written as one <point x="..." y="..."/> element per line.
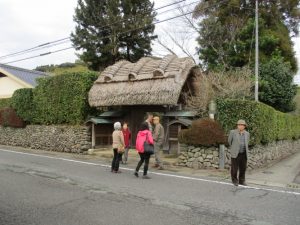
<point x="13" y="78"/>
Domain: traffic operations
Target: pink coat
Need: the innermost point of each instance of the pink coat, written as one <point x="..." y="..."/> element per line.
<point x="140" y="139"/>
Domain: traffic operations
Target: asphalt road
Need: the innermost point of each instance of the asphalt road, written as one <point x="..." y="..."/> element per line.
<point x="38" y="189"/>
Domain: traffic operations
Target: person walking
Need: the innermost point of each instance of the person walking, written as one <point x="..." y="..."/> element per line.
<point x="143" y="135"/>
<point x="158" y="136"/>
<point x="127" y="136"/>
<point x="118" y="147"/>
<point x="239" y="146"/>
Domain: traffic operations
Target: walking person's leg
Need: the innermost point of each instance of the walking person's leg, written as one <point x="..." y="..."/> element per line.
<point x="242" y="168"/>
<point x="158" y="162"/>
<point x="140" y="163"/>
<point x="117" y="162"/>
<point x="234" y="170"/>
<point x="147" y="159"/>
<point x="126" y="155"/>
<point x="114" y="160"/>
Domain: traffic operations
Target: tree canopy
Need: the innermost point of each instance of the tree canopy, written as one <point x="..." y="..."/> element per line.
<point x="111" y="30"/>
<point x="226" y="37"/>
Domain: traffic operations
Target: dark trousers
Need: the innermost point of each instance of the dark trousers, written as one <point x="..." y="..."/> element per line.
<point x="116" y="160"/>
<point x="239" y="164"/>
<point x="144" y="158"/>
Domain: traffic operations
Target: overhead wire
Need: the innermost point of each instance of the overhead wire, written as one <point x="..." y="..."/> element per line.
<point x="57" y="42"/>
<point x="108" y="36"/>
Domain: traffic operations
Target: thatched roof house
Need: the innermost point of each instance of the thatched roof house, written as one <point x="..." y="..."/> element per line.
<point x="150" y="81"/>
<point x="149" y="85"/>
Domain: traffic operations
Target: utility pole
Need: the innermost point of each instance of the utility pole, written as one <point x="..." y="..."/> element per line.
<point x="256" y="51"/>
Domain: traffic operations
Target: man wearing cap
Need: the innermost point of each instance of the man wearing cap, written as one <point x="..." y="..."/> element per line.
<point x="239" y="146"/>
<point x="158" y="136"/>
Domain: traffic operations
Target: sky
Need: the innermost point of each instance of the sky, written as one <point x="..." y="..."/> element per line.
<point x="26" y="24"/>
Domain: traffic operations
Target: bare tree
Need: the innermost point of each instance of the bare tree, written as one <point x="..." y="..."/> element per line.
<point x="234" y="84"/>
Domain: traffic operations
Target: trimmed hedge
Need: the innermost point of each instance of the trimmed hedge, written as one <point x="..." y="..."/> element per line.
<point x="59" y="99"/>
<point x="265" y="124"/>
<point x="9" y="118"/>
<point x="205" y="132"/>
<point x="5" y="102"/>
<point x="22" y="102"/>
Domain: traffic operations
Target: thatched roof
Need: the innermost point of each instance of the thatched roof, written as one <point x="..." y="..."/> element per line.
<point x="148" y="82"/>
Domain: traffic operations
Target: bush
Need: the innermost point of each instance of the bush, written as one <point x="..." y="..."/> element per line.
<point x="205" y="132"/>
<point x="63" y="99"/>
<point x="265" y="124"/>
<point x="22" y="102"/>
<point x="9" y="118"/>
<point x="5" y="102"/>
<point x="276" y="86"/>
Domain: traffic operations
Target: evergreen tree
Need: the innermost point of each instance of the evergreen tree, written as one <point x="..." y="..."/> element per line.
<point x="111" y="30"/>
<point x="227" y="31"/>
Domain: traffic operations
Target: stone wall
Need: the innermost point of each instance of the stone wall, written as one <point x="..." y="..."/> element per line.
<point x="61" y="138"/>
<point x="198" y="157"/>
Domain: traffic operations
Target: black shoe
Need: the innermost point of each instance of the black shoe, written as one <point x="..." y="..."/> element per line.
<point x="243" y="183"/>
<point x="136" y="174"/>
<point x="146" y="177"/>
<point x="235" y="184"/>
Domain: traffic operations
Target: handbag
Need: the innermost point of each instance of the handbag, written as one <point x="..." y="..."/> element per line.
<point x="148" y="148"/>
<point x="121" y="149"/>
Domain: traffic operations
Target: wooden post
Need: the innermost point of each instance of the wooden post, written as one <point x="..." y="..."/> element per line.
<point x="93" y="136"/>
<point x="178" y="148"/>
<point x="222" y="157"/>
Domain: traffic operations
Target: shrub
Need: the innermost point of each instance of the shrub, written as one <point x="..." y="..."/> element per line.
<point x="276" y="86"/>
<point x="22" y="102"/>
<point x="205" y="132"/>
<point x="63" y="99"/>
<point x="265" y="124"/>
<point x="9" y="118"/>
<point x="5" y="102"/>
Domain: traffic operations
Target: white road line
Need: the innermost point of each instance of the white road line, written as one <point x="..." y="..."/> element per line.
<point x="156" y="173"/>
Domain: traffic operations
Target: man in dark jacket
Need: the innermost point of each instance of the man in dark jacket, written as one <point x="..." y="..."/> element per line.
<point x="239" y="146"/>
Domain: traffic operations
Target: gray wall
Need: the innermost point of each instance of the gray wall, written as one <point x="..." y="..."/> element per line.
<point x="61" y="138"/>
<point x="260" y="156"/>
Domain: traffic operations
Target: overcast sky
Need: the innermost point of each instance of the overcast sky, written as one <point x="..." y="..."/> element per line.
<point x="28" y="23"/>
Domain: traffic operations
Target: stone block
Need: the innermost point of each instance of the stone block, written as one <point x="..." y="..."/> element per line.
<point x="206" y="164"/>
<point x="190" y="154"/>
<point x="215" y="153"/>
<point x="209" y="156"/>
<point x="196" y="150"/>
<point x="200" y="159"/>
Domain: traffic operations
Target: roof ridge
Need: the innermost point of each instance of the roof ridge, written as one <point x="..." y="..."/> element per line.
<point x="23" y="69"/>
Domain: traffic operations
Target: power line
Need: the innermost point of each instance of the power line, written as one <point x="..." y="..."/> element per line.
<point x="162" y="21"/>
<point x="30" y="49"/>
<point x="40" y="55"/>
<point x="41" y="46"/>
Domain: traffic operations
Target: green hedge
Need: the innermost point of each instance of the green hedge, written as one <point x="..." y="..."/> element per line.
<point x="4" y="102"/>
<point x="265" y="124"/>
<point x="56" y="100"/>
<point x="22" y="102"/>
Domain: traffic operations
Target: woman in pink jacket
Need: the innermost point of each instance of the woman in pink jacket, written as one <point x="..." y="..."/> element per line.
<point x="143" y="135"/>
